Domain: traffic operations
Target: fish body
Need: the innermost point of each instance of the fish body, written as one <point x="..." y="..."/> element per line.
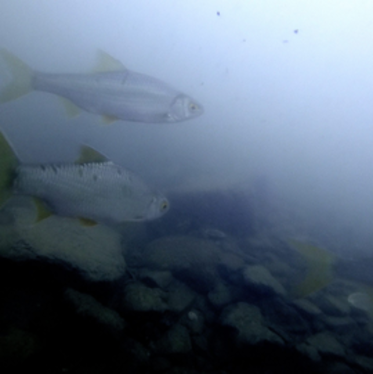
<point x="114" y="92"/>
<point x="123" y="95"/>
<point x="95" y="191"/>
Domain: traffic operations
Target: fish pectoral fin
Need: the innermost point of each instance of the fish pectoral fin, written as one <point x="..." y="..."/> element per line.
<point x="107" y="63"/>
<point x="71" y="109"/>
<point x="168" y="117"/>
<point x="87" y="222"/>
<point x="88" y="154"/>
<point x="42" y="212"/>
<point x="109" y="119"/>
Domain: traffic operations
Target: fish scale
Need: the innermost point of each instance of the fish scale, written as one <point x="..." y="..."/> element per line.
<point x="97" y="191"/>
<point x="115" y="92"/>
<point x="87" y="190"/>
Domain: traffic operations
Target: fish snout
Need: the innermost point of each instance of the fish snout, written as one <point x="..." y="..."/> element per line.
<point x="184" y="107"/>
<point x="158" y="207"/>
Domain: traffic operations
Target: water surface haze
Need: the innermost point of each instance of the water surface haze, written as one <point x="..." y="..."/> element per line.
<point x="286" y="89"/>
<point x="238" y="240"/>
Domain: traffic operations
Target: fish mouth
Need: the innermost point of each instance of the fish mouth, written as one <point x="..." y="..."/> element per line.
<point x="183" y="108"/>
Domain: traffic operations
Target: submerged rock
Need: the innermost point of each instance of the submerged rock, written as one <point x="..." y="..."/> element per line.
<point x="307" y="308"/>
<point x="95" y="252"/>
<point x="194" y="321"/>
<point x="180" y="252"/>
<point x="365" y="362"/>
<point x="259" y="277"/>
<point x="136" y="354"/>
<point x="175" y="340"/>
<point x="344" y="325"/>
<point x="332" y="305"/>
<point x="17" y="346"/>
<point x="221" y="295"/>
<point x="309" y="351"/>
<point x="283" y="319"/>
<point x="338" y="368"/>
<point x="326" y="344"/>
<point x="88" y="307"/>
<point x="192" y="260"/>
<point x="138" y="297"/>
<point x="247" y="320"/>
<point x="179" y="297"/>
<point x="214" y="234"/>
<point x="154" y="278"/>
<point x="230" y="263"/>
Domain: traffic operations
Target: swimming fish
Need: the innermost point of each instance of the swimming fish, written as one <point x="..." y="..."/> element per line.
<point x="323" y="267"/>
<point x="114" y="92"/>
<point x="93" y="189"/>
<point x="319" y="268"/>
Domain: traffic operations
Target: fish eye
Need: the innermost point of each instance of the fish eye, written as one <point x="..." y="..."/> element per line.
<point x="193" y="106"/>
<point x="164" y="205"/>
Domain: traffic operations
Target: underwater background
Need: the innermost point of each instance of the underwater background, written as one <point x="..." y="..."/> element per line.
<point x="263" y="262"/>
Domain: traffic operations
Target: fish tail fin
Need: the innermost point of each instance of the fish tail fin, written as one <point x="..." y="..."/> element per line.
<point x="319" y="268"/>
<point x="22" y="74"/>
<point x="8" y="164"/>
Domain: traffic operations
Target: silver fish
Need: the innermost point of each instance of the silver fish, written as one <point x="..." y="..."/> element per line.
<point x="98" y="191"/>
<point x="114" y="92"/>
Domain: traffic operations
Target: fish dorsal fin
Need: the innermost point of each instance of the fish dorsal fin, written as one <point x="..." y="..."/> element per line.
<point x="88" y="154"/>
<point x="71" y="109"/>
<point x="42" y="212"/>
<point x="107" y="63"/>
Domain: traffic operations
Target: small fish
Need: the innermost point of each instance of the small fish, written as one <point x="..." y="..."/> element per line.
<point x="93" y="189"/>
<point x="114" y="92"/>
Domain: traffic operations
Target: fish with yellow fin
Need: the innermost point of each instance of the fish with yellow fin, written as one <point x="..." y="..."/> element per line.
<point x="114" y="92"/>
<point x="322" y="267"/>
<point x="92" y="189"/>
<point x="319" y="271"/>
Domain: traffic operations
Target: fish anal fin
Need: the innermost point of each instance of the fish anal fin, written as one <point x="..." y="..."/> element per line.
<point x="42" y="212"/>
<point x="107" y="63"/>
<point x="88" y="154"/>
<point x="71" y="109"/>
<point x="87" y="222"/>
<point x="109" y="119"/>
